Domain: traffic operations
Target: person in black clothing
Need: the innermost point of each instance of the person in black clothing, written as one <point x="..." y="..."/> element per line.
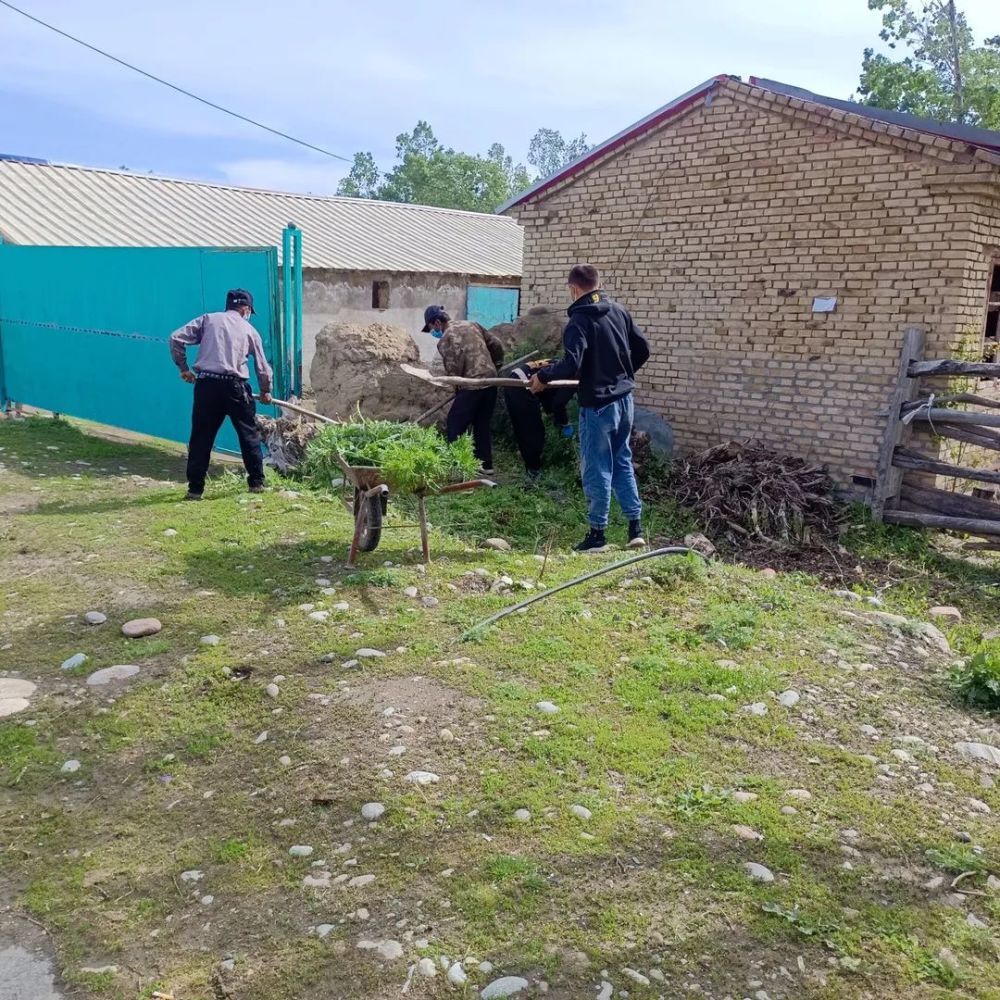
<point x="525" y="410"/>
<point x="603" y="347"/>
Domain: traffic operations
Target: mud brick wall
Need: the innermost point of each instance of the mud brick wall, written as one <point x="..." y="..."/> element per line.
<point x="720" y="228"/>
<point x="346" y="297"/>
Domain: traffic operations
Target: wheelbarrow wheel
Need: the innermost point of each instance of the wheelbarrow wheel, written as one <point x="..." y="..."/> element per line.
<point x="371" y="520"/>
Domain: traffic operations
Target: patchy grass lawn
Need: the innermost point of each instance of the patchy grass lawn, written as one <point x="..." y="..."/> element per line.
<point x="602" y="843"/>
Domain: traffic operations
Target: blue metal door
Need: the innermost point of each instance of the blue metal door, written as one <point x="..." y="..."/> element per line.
<point x="84" y="330"/>
<point x="490" y="305"/>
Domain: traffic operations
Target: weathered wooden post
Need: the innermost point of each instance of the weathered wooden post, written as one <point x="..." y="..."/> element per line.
<point x="889" y="478"/>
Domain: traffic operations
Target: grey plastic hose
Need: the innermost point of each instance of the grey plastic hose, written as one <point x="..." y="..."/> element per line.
<point x="670" y="550"/>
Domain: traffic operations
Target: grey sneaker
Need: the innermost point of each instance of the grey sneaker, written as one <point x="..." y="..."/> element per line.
<point x="635" y="539"/>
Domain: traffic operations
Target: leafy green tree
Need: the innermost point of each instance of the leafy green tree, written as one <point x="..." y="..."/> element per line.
<point x="550" y="152"/>
<point x="429" y="173"/>
<point x="517" y="174"/>
<point x="362" y="181"/>
<point x="943" y="75"/>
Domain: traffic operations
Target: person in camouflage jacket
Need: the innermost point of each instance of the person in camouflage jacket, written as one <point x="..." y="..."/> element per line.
<point x="469" y="351"/>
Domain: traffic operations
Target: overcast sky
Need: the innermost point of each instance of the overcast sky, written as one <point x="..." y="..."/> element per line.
<point x="350" y="76"/>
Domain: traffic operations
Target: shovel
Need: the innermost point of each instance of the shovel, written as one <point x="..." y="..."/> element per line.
<point x="457" y="382"/>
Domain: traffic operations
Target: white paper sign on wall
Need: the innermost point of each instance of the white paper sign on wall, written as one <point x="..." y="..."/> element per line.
<point x="825" y="304"/>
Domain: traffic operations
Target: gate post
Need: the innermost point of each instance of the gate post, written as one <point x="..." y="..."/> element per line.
<point x="281" y="362"/>
<point x="291" y="312"/>
<point x="4" y="401"/>
<point x="3" y="386"/>
<point x="888" y="478"/>
<point x="297" y="308"/>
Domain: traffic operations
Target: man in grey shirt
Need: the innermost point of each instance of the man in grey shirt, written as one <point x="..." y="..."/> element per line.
<point x="221" y="381"/>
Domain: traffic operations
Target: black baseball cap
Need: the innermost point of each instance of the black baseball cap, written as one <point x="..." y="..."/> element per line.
<point x="432" y="314"/>
<point x="237" y="297"/>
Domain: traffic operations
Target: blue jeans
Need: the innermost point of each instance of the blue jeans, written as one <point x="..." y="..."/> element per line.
<point x="606" y="460"/>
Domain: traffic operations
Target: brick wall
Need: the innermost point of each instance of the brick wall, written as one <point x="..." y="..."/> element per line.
<point x="719" y="229"/>
<point x="981" y="248"/>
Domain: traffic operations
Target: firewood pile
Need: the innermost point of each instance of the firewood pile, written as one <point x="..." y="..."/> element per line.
<point x="745" y="491"/>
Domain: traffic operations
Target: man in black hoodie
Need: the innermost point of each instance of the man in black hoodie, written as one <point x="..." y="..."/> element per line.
<point x="604" y="348"/>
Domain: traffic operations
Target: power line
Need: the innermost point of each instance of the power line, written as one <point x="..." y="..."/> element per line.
<point x="172" y="86"/>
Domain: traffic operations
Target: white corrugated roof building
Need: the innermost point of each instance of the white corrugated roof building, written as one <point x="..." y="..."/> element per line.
<point x="44" y="204"/>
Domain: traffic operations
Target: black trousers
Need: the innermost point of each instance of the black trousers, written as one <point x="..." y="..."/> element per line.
<point x="525" y="411"/>
<point x="474" y="408"/>
<point x="214" y="400"/>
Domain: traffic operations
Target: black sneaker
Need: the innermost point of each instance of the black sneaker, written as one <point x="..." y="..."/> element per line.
<point x="635" y="539"/>
<point x="192" y="496"/>
<point x="487" y="472"/>
<point x="257" y="489"/>
<point x="534" y="476"/>
<point x="594" y="542"/>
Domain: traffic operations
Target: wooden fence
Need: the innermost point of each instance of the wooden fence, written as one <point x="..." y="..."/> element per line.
<point x="900" y="499"/>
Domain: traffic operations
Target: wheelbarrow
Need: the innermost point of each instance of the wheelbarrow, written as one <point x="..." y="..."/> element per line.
<point x="371" y="497"/>
<point x="371" y="502"/>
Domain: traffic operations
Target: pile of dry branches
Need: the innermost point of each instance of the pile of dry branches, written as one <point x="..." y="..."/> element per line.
<point x="286" y="439"/>
<point x="743" y="491"/>
<point x="643" y="458"/>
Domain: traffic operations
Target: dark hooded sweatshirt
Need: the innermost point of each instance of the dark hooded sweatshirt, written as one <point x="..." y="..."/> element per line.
<point x="602" y="347"/>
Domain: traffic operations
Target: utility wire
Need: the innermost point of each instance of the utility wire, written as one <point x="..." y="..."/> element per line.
<point x="172" y="86"/>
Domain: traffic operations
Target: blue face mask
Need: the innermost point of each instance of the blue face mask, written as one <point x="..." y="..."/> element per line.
<point x="437" y="334"/>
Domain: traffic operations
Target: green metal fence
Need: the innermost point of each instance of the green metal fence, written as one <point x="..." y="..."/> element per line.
<point x="84" y="330"/>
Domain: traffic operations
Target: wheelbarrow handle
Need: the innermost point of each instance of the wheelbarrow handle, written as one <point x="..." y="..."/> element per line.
<point x="469" y="484"/>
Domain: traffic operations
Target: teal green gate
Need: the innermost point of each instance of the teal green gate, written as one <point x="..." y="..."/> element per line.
<point x="84" y="330"/>
<point x="491" y="304"/>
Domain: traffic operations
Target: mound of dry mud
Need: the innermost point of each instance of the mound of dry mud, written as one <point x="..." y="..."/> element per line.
<point x="540" y="328"/>
<point x="358" y="367"/>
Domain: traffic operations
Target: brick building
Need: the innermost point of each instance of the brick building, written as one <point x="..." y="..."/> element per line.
<point x="775" y="245"/>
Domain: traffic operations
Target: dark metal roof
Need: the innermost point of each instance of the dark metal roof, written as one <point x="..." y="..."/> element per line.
<point x="984" y="138"/>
